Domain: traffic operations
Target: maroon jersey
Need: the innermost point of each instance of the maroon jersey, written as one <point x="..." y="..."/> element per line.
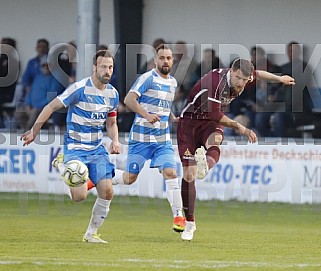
<point x="209" y="97"/>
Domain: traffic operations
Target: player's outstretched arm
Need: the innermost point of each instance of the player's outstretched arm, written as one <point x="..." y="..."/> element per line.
<point x="287" y="80"/>
<point x="284" y="79"/>
<point x="251" y="135"/>
<point x="229" y="123"/>
<point x="29" y="136"/>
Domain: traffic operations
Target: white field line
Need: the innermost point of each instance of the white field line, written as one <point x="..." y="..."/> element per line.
<point x="155" y="263"/>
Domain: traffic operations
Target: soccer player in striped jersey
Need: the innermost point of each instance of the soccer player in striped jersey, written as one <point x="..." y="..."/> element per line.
<point x="151" y="98"/>
<point x="201" y="122"/>
<point x="91" y="102"/>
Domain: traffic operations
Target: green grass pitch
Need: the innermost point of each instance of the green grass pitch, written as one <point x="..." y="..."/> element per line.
<point x="44" y="232"/>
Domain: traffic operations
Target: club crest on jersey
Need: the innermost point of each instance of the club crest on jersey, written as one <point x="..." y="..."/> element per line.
<point x="188" y="155"/>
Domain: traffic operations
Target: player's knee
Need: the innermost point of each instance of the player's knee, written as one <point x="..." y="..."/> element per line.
<point x="109" y="194"/>
<point x="189" y="176"/>
<point x="214" y="139"/>
<point x="130" y="178"/>
<point x="169" y="173"/>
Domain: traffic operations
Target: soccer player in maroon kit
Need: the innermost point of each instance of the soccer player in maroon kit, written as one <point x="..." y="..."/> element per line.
<point x="200" y="127"/>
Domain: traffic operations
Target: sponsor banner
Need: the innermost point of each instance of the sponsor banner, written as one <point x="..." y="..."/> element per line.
<point x="287" y="172"/>
<point x="270" y="171"/>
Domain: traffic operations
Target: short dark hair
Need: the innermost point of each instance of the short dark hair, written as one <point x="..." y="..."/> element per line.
<point x="258" y="50"/>
<point x="244" y="65"/>
<point x="103" y="53"/>
<point x="158" y="42"/>
<point x="210" y="50"/>
<point x="43" y="41"/>
<point x="9" y="41"/>
<point x="162" y="47"/>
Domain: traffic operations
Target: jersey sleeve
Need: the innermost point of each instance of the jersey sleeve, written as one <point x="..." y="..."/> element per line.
<point x="70" y="96"/>
<point x="113" y="112"/>
<point x="142" y="84"/>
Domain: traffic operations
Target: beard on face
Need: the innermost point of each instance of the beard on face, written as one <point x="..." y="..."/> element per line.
<point x="165" y="70"/>
<point x="103" y="79"/>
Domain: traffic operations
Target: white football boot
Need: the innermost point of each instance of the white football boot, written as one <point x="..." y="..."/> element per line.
<point x="202" y="167"/>
<point x="188" y="233"/>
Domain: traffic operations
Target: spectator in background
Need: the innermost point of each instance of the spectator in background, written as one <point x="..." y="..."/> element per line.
<point x="288" y="106"/>
<point x="60" y="63"/>
<point x="266" y="95"/>
<point x="298" y="105"/>
<point x="62" y="68"/>
<point x="183" y="70"/>
<point x="150" y="64"/>
<point x="114" y="79"/>
<point x="209" y="62"/>
<point x="29" y="75"/>
<point x="38" y="96"/>
<point x="102" y="47"/>
<point x="267" y="103"/>
<point x="9" y="73"/>
<point x="71" y="51"/>
<point x="33" y="66"/>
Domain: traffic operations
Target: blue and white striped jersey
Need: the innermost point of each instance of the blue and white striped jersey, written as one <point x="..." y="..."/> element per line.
<point x="88" y="109"/>
<point x="156" y="95"/>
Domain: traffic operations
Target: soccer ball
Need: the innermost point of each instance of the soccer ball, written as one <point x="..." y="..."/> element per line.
<point x="75" y="173"/>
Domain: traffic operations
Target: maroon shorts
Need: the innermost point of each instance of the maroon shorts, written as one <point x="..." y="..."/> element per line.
<point x="192" y="134"/>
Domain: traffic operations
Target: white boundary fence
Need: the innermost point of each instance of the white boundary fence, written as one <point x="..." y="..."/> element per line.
<point x="267" y="171"/>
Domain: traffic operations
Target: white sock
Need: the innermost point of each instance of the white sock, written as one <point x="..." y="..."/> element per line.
<point x="118" y="179"/>
<point x="174" y="197"/>
<point x="99" y="214"/>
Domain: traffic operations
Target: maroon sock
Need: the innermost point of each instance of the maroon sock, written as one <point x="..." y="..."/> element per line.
<point x="188" y="196"/>
<point x="213" y="156"/>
